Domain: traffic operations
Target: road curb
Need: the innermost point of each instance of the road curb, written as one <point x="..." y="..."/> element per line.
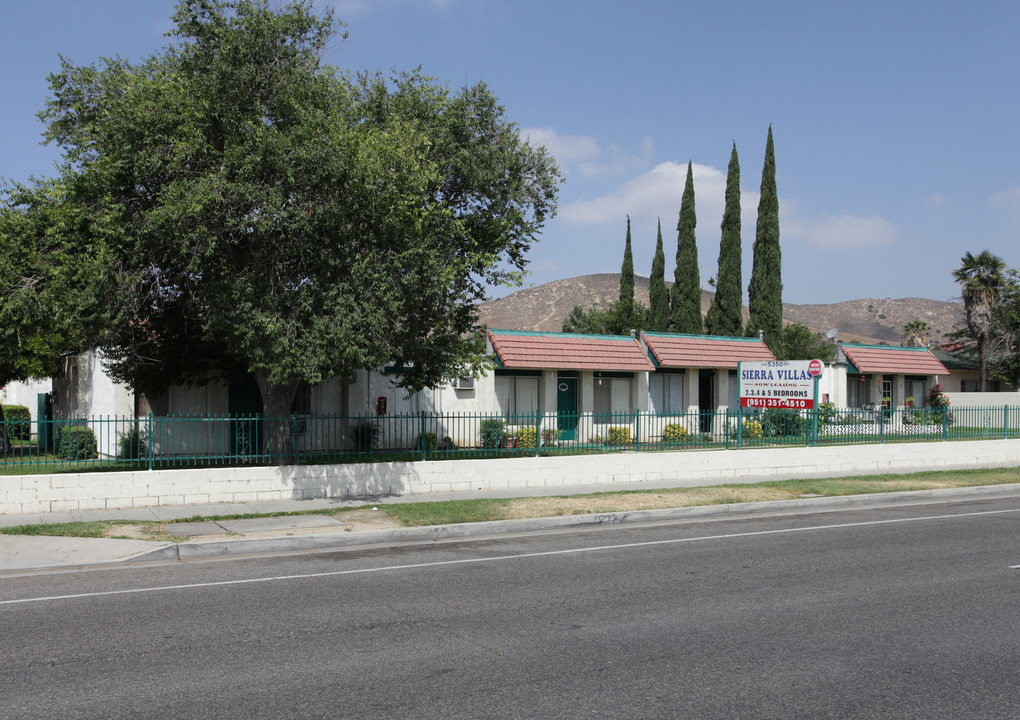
<point x="434" y="533"/>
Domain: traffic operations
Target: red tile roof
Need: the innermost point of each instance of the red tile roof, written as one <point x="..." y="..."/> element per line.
<point x="567" y="351"/>
<point x="704" y="351"/>
<point x="893" y="360"/>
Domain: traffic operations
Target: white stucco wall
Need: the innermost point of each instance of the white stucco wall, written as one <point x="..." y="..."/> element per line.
<point x="983" y="399"/>
<point x="51" y="493"/>
<point x="25" y="393"/>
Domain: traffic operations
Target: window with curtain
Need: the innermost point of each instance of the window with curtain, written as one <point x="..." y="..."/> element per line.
<point x="517" y="395"/>
<point x="666" y="392"/>
<point x="612" y="398"/>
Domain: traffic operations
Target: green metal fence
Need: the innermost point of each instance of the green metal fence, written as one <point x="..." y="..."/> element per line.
<point x="201" y="441"/>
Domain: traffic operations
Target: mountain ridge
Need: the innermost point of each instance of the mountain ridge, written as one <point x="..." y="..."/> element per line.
<point x="867" y="320"/>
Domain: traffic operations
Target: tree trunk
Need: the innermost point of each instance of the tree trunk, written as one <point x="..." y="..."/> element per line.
<point x="278" y="436"/>
<point x="982" y="366"/>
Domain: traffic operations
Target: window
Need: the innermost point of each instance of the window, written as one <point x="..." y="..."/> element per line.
<point x="612" y="397"/>
<point x="667" y="393"/>
<point x="188" y="400"/>
<point x="858" y="391"/>
<point x="733" y="399"/>
<point x="517" y="395"/>
<point x="975" y="386"/>
<point x="302" y="404"/>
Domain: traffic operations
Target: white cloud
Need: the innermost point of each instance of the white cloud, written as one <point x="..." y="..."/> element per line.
<point x="565" y="148"/>
<point x="584" y="155"/>
<point x="1008" y="198"/>
<point x="656" y="193"/>
<point x="843" y="231"/>
<point x="937" y="200"/>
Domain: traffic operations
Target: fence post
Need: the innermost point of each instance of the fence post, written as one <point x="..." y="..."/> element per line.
<point x="945" y="423"/>
<point x="881" y="424"/>
<point x="421" y="434"/>
<point x="148" y="437"/>
<point x="1005" y="422"/>
<point x="637" y="430"/>
<point x="296" y="437"/>
<point x="538" y="430"/>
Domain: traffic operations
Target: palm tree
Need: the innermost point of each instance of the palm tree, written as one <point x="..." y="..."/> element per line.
<point x="980" y="278"/>
<point x="916" y="333"/>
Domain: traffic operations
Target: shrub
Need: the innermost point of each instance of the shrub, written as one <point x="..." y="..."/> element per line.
<point x="76" y="442"/>
<point x="753" y="430"/>
<point x="526" y="437"/>
<point x="430" y="442"/>
<point x="491" y="433"/>
<point x="674" y="433"/>
<point x="619" y="435"/>
<point x="131" y="445"/>
<point x="826" y="411"/>
<point x="783" y="423"/>
<point x="550" y="436"/>
<point x="365" y="436"/>
<point x="19" y="422"/>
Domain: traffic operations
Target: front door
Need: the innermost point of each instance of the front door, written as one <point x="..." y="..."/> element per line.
<point x="706" y="399"/>
<point x="566" y="407"/>
<point x="244" y="405"/>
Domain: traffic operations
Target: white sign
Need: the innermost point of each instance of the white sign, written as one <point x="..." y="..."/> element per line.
<point x="779" y="384"/>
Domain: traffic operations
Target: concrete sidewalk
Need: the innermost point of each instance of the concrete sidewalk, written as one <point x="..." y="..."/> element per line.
<point x="282" y="534"/>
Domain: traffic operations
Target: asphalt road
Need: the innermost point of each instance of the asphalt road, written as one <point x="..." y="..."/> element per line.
<point x="907" y="612"/>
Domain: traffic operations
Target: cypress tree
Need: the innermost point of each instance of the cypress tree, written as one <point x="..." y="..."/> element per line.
<point x="685" y="300"/>
<point x="626" y="303"/>
<point x="724" y="314"/>
<point x="765" y="293"/>
<point x="658" y="308"/>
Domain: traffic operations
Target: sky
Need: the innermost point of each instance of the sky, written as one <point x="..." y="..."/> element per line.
<point x="895" y="122"/>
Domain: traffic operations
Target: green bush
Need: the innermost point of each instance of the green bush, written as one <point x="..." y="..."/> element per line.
<point x="365" y="436"/>
<point x="430" y="442"/>
<point x="491" y="433"/>
<point x="825" y="411"/>
<point x="674" y="433"/>
<point x="783" y="423"/>
<point x="619" y="435"/>
<point x="426" y="441"/>
<point x="131" y="445"/>
<point x="19" y="422"/>
<point x="76" y="442"/>
<point x="550" y="436"/>
<point x="752" y="430"/>
<point x="526" y="437"/>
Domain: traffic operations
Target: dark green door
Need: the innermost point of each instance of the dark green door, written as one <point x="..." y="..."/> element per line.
<point x="244" y="405"/>
<point x="566" y="407"/>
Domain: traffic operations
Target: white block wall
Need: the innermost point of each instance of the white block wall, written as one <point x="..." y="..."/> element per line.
<point x="69" y="491"/>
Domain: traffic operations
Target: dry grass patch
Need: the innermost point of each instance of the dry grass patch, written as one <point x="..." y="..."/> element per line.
<point x="628" y="502"/>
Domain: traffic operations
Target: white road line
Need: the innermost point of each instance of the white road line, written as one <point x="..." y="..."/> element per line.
<point x="497" y="558"/>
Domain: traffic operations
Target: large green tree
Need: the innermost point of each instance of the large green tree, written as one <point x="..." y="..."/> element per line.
<point x="685" y="299"/>
<point x="801" y="343"/>
<point x="725" y="314"/>
<point x="626" y="302"/>
<point x="658" y="294"/>
<point x="981" y="277"/>
<point x="613" y="320"/>
<point x="765" y="291"/>
<point x="272" y="216"/>
<point x="1003" y="345"/>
